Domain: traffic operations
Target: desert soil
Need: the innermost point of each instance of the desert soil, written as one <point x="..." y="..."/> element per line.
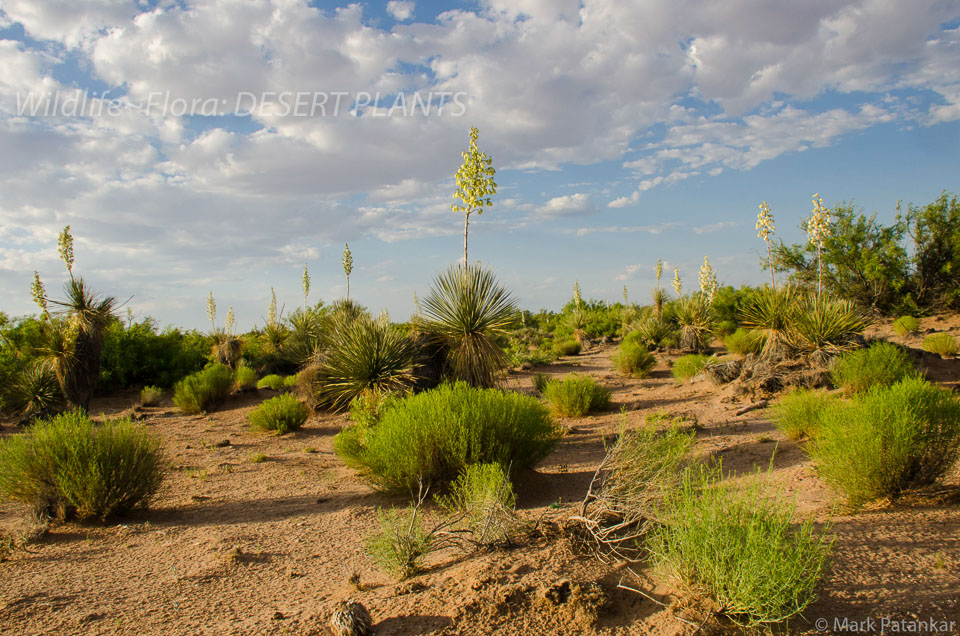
<point x="233" y="545"/>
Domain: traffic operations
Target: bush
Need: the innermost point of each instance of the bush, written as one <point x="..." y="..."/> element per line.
<point x="906" y="325"/>
<point x="69" y="467"/>
<point x="367" y="408"/>
<point x="576" y="395"/>
<point x="401" y="543"/>
<point x="244" y="379"/>
<point x="34" y="391"/>
<point x="633" y="359"/>
<point x="199" y="392"/>
<point x="280" y="414"/>
<point x="744" y="341"/>
<point x="540" y="382"/>
<point x="797" y="414"/>
<point x="820" y="329"/>
<point x="483" y="498"/>
<point x="888" y="440"/>
<point x="725" y="328"/>
<point x="290" y="382"/>
<point x="880" y="364"/>
<point x="432" y="436"/>
<point x="139" y="354"/>
<point x="272" y="381"/>
<point x="568" y="348"/>
<point x="150" y="395"/>
<point x="685" y="367"/>
<point x="740" y="547"/>
<point x="943" y="344"/>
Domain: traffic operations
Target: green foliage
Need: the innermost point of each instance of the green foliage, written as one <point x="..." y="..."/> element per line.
<point x="568" y="348"/>
<point x="432" y="436"/>
<point x="769" y="312"/>
<point x="822" y="328"/>
<point x="658" y="332"/>
<point x="906" y="325"/>
<point x="150" y="395"/>
<point x="744" y="341"/>
<point x="401" y="543"/>
<point x="290" y="382"/>
<point x="244" y="379"/>
<point x="483" y="498"/>
<point x="576" y="395"/>
<point x="633" y="359"/>
<point x="540" y="382"/>
<point x="685" y="367"/>
<point x="935" y="230"/>
<point x="466" y="309"/>
<point x="880" y="364"/>
<point x="368" y="408"/>
<point x="696" y="322"/>
<point x="272" y="381"/>
<point x="34" y="391"/>
<point x="70" y="467"/>
<point x="281" y="414"/>
<point x="139" y="354"/>
<point x="797" y="414"/>
<point x="739" y="546"/>
<point x="201" y="391"/>
<point x="943" y="344"/>
<point x="887" y="440"/>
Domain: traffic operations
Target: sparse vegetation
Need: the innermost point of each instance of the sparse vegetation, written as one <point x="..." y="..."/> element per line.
<point x="576" y="395"/>
<point x="483" y="502"/>
<point x="401" y="543"/>
<point x="201" y="391"/>
<point x="880" y="364"/>
<point x="150" y="395"/>
<point x="942" y="344"/>
<point x="281" y="414"/>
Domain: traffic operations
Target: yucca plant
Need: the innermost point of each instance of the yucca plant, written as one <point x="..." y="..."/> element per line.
<point x="769" y="313"/>
<point x="821" y="328"/>
<point x="305" y="341"/>
<point x="466" y="310"/>
<point x="34" y="391"/>
<point x="577" y="321"/>
<point x="365" y="354"/>
<point x="656" y="332"/>
<point x="696" y="322"/>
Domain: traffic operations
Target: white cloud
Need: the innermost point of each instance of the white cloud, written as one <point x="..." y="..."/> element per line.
<point x="400" y="10"/>
<point x="567" y="205"/>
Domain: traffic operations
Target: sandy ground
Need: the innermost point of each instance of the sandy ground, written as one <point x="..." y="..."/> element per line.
<point x="233" y="545"/>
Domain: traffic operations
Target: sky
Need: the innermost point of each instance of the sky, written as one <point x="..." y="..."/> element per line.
<point x="221" y="145"/>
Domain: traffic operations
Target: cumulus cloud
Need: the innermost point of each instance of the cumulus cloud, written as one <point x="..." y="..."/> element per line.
<point x="576" y="204"/>
<point x="400" y="10"/>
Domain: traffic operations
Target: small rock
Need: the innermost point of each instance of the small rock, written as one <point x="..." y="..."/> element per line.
<point x="222" y="443"/>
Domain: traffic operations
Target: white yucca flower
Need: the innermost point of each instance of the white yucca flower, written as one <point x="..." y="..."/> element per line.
<point x="677" y="284"/>
<point x="212" y="311"/>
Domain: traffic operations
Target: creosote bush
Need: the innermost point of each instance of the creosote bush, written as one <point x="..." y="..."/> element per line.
<point x="943" y="344"/>
<point x="906" y="325"/>
<point x="797" y="414"/>
<point x="244" y="379"/>
<point x="431" y="437"/>
<point x="632" y="358"/>
<point x="272" y="381"/>
<point x="740" y="546"/>
<point x="888" y="440"/>
<point x="70" y="467"/>
<point x="685" y="367"/>
<point x="201" y="391"/>
<point x="576" y="395"/>
<point x="568" y="348"/>
<point x="281" y="414"/>
<point x="367" y="408"/>
<point x="150" y="395"/>
<point x="880" y="364"/>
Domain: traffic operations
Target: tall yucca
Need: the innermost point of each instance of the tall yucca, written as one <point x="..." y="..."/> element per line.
<point x="771" y="312"/>
<point x="822" y="328"/>
<point x="465" y="309"/>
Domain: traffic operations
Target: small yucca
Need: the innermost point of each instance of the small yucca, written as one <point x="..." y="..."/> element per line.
<point x="351" y="618"/>
<point x="696" y="322"/>
<point x="821" y="329"/>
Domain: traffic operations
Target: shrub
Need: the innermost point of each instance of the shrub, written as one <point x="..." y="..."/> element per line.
<point x="906" y="325"/>
<point x="880" y="364"/>
<point x="696" y="323"/>
<point x="888" y="440"/>
<point x="797" y="414"/>
<point x="432" y="436"/>
<point x="69" y="467"/>
<point x="568" y="348"/>
<point x="367" y="408"/>
<point x="199" y="392"/>
<point x="483" y="498"/>
<point x="34" y="391"/>
<point x="401" y="543"/>
<point x="725" y="328"/>
<point x="540" y="382"/>
<point x="740" y="547"/>
<point x="685" y="367"/>
<point x="150" y="395"/>
<point x="744" y="341"/>
<point x="632" y="358"/>
<point x="576" y="395"/>
<point x="943" y="344"/>
<point x="280" y="414"/>
<point x="244" y="379"/>
<point x="290" y="382"/>
<point x="272" y="381"/>
<point x="820" y="329"/>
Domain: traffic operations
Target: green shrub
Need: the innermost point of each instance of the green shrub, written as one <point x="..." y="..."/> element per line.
<point x="685" y="367"/>
<point x="483" y="498"/>
<point x="290" y="382"/>
<point x="725" y="328"/>
<point x="280" y="414"/>
<point x="576" y="395"/>
<point x="739" y="546"/>
<point x="632" y="358"/>
<point x="432" y="436"/>
<point x="887" y="440"/>
<point x="70" y="467"/>
<point x="797" y="414"/>
<point x="943" y="344"/>
<point x="244" y="379"/>
<point x="880" y="364"/>
<point x="401" y="543"/>
<point x="367" y="408"/>
<point x="150" y="395"/>
<point x="34" y="391"/>
<point x="540" y="382"/>
<point x="744" y="341"/>
<point x="568" y="348"/>
<point x="272" y="381"/>
<point x="906" y="325"/>
<point x="199" y="392"/>
<point x="139" y="354"/>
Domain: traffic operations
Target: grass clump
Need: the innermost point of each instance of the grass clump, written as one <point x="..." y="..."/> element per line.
<point x="432" y="436"/>
<point x="906" y="325"/>
<point x="272" y="381"/>
<point x="880" y="364"/>
<point x="401" y="543"/>
<point x="200" y="391"/>
<point x="943" y="344"/>
<point x="888" y="440"/>
<point x="280" y="414"/>
<point x="797" y="414"/>
<point x="482" y="498"/>
<point x="740" y="547"/>
<point x="568" y="348"/>
<point x="150" y="395"/>
<point x="244" y="379"/>
<point x="576" y="395"/>
<point x="744" y="341"/>
<point x="69" y="467"/>
<point x="685" y="367"/>
<point x="632" y="358"/>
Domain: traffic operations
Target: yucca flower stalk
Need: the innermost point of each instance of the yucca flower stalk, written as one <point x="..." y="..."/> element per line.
<point x="39" y="295"/>
<point x="818" y="230"/>
<point x="677" y="284"/>
<point x="230" y="322"/>
<point x="65" y="246"/>
<point x="577" y="300"/>
<point x="212" y="311"/>
<point x="708" y="280"/>
<point x="306" y="285"/>
<point x="625" y="297"/>
<point x="272" y="309"/>
<point x="347" y="262"/>
<point x="658" y="269"/>
<point x="475" y="185"/>
<point x="765" y="229"/>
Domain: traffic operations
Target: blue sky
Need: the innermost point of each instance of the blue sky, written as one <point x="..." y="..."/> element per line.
<point x="621" y="132"/>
